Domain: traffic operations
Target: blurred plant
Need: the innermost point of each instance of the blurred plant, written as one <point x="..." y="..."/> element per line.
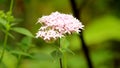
<point x="7" y="24"/>
<point x="55" y="27"/>
<point x="23" y="49"/>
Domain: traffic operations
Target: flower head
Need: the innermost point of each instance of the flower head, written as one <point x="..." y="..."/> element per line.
<point x="48" y="34"/>
<point x="57" y="25"/>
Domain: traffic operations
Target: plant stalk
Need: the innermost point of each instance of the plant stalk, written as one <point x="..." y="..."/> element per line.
<point x="19" y="60"/>
<point x="76" y="13"/>
<point x="60" y="59"/>
<point x="4" y="46"/>
<point x="86" y="51"/>
<point x="6" y="34"/>
<point x="64" y="60"/>
<point x="11" y="6"/>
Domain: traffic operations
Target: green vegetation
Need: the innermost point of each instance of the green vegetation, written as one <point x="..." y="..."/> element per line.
<point x="20" y="49"/>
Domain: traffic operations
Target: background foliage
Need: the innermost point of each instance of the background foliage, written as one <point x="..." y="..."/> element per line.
<point x="102" y="34"/>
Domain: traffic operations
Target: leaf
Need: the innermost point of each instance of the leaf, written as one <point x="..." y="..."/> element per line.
<point x="56" y="54"/>
<point x="13" y="24"/>
<point x="25" y="43"/>
<point x="21" y="53"/>
<point x="69" y="51"/>
<point x="9" y="60"/>
<point x="2" y="14"/>
<point x="64" y="43"/>
<point x="41" y="57"/>
<point x="9" y="17"/>
<point x="3" y="22"/>
<point x="9" y="34"/>
<point x="22" y="31"/>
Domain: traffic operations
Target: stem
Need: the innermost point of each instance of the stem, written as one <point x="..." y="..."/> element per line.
<point x="4" y="46"/>
<point x="19" y="60"/>
<point x="6" y="35"/>
<point x="11" y="6"/>
<point x="85" y="49"/>
<point x="60" y="59"/>
<point x="76" y="13"/>
<point x="64" y="60"/>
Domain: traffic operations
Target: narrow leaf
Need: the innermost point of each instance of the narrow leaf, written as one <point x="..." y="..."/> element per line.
<point x="56" y="54"/>
<point x="13" y="24"/>
<point x="21" y="53"/>
<point x="9" y="34"/>
<point x="22" y="31"/>
<point x="69" y="51"/>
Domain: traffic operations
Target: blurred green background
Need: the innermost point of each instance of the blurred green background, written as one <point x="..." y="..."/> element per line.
<point x="101" y="33"/>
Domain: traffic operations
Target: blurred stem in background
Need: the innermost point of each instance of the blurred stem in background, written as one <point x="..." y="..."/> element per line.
<point x="19" y="60"/>
<point x="11" y="6"/>
<point x="4" y="46"/>
<point x="6" y="33"/>
<point x="60" y="60"/>
<point x="76" y="13"/>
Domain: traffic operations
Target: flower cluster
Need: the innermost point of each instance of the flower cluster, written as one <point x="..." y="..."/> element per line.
<point x="57" y="25"/>
<point x="48" y="34"/>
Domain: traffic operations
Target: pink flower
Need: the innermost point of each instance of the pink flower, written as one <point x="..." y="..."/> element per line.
<point x="48" y="34"/>
<point x="57" y="25"/>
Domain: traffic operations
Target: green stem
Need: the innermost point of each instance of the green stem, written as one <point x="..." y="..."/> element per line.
<point x="4" y="46"/>
<point x="60" y="60"/>
<point x="6" y="34"/>
<point x="19" y="60"/>
<point x="64" y="60"/>
<point x="11" y="6"/>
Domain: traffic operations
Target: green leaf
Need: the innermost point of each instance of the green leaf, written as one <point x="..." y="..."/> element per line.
<point x="64" y="42"/>
<point x="69" y="51"/>
<point x="9" y="34"/>
<point x="9" y="17"/>
<point x="3" y="22"/>
<point x="2" y="14"/>
<point x="25" y="43"/>
<point x="56" y="54"/>
<point x="13" y="24"/>
<point x="41" y="57"/>
<point x="22" y="31"/>
<point x="21" y="53"/>
<point x="9" y="60"/>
